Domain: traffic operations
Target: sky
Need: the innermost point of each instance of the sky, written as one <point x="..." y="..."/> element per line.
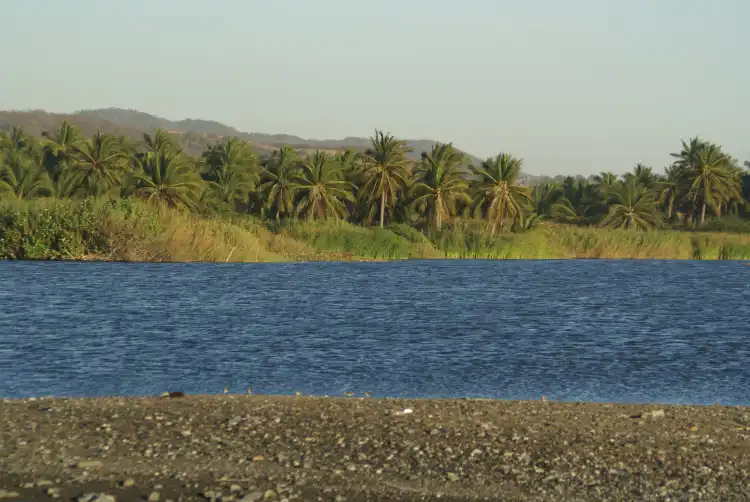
<point x="570" y="86"/>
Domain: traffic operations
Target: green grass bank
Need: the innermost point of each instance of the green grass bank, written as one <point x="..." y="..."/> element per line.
<point x="129" y="230"/>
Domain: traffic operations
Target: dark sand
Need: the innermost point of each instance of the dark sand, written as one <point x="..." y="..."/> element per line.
<point x="352" y="449"/>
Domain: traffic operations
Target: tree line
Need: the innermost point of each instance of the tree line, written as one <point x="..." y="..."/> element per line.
<point x="380" y="185"/>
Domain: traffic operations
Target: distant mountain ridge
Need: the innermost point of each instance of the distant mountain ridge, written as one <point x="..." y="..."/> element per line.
<point x="148" y="122"/>
<point x="196" y="134"/>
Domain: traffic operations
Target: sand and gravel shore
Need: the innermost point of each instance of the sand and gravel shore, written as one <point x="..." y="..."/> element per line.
<point x="251" y="448"/>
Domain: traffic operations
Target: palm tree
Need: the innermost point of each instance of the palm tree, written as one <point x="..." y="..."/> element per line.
<point x="385" y="169"/>
<point x="543" y="197"/>
<point x="17" y="142"/>
<point x="59" y="149"/>
<point x="632" y="207"/>
<point x="99" y="163"/>
<point x="712" y="179"/>
<point x="168" y="178"/>
<point x="232" y="154"/>
<point x="231" y="168"/>
<point x="671" y="188"/>
<point x="642" y="174"/>
<point x="277" y="181"/>
<point x="322" y="191"/>
<point x="159" y="142"/>
<point x="498" y="193"/>
<point x="605" y="179"/>
<point x="579" y="202"/>
<point x="23" y="178"/>
<point x="439" y="184"/>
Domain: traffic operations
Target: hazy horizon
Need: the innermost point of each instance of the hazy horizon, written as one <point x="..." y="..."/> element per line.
<point x="573" y="88"/>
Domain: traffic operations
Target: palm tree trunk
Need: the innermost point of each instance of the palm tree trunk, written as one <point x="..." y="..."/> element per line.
<point x="438" y="219"/>
<point x="669" y="209"/>
<point x="703" y="212"/>
<point x="382" y="208"/>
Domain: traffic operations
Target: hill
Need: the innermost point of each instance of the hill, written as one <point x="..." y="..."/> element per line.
<point x="195" y="134"/>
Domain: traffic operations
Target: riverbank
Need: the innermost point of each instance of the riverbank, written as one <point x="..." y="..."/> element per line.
<point x="365" y="449"/>
<point x="128" y="230"/>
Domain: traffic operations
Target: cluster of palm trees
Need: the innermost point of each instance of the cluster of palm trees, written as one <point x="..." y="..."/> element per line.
<point x="702" y="178"/>
<point x="382" y="184"/>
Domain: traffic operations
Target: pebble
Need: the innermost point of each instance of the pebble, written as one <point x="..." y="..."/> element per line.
<point x="452" y="476"/>
<point x="53" y="492"/>
<point x="6" y="494"/>
<point x="96" y="497"/>
<point x="252" y="497"/>
<point x="154" y="497"/>
<point x="88" y="464"/>
<point x="235" y="488"/>
<point x="269" y="495"/>
<point x="127" y="483"/>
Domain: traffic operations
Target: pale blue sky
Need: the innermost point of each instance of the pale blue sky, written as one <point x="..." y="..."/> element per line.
<point x="572" y="86"/>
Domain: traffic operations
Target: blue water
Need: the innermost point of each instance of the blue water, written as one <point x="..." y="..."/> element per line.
<point x="645" y="331"/>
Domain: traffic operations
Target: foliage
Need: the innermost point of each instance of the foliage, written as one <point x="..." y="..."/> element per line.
<point x="66" y="195"/>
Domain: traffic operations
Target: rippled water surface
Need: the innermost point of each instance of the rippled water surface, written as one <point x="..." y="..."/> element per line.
<point x="571" y="330"/>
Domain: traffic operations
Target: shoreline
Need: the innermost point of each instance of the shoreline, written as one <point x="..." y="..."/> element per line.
<point x="356" y="259"/>
<point x="361" y="449"/>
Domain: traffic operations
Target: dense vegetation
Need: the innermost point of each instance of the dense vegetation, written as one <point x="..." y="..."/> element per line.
<point x="67" y="195"/>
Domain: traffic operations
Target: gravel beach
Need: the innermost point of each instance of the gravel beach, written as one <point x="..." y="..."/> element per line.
<point x="285" y="448"/>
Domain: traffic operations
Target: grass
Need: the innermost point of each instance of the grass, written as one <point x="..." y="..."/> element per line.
<point x="128" y="230"/>
<point x="123" y="230"/>
<point x="350" y="240"/>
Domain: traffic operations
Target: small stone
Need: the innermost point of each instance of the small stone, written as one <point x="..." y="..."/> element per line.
<point x="127" y="483"/>
<point x="96" y="497"/>
<point x="269" y="495"/>
<point x="6" y="494"/>
<point x="28" y="485"/>
<point x="252" y="497"/>
<point x="235" y="488"/>
<point x="258" y="458"/>
<point x="89" y="464"/>
<point x="340" y="498"/>
<point x="154" y="497"/>
<point x="186" y="433"/>
<point x="53" y="492"/>
<point x="657" y="414"/>
<point x="452" y="476"/>
<point x="44" y="482"/>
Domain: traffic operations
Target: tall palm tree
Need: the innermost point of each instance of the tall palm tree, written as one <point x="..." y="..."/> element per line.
<point x="322" y="191"/>
<point x="632" y="207"/>
<point x="671" y="188"/>
<point x="385" y="168"/>
<point x="59" y="149"/>
<point x="499" y="195"/>
<point x="23" y="178"/>
<point x="277" y="181"/>
<point x="439" y="184"/>
<point x="168" y="178"/>
<point x="712" y="179"/>
<point x="99" y="163"/>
